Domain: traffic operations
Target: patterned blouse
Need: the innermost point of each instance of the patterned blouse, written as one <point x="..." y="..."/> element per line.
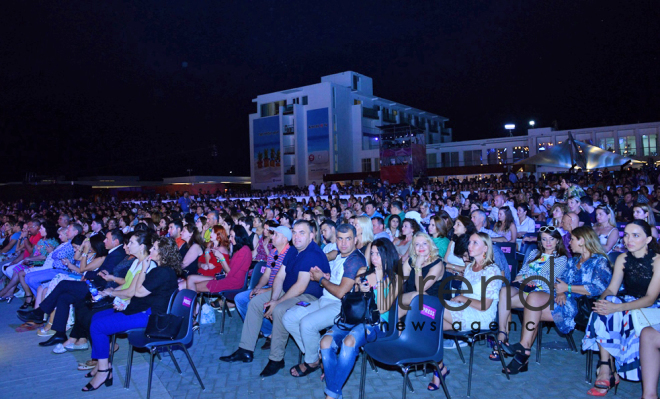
<point x="541" y="267"/>
<point x="40" y="248"/>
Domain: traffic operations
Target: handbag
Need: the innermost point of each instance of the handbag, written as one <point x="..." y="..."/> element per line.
<point x="358" y="307"/>
<point x="585" y="305"/>
<point x="163" y="326"/>
<point x="643" y="318"/>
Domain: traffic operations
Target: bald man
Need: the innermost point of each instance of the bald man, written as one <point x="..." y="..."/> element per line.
<point x="569" y="222"/>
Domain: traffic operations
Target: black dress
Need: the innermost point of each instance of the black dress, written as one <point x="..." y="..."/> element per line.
<point x="410" y="283"/>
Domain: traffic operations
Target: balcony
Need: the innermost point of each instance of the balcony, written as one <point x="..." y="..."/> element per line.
<point x="370" y="113"/>
<point x="389" y="118"/>
<point x="288" y="129"/>
<point x="288" y="109"/>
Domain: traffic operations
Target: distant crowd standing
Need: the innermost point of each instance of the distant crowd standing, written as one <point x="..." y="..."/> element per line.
<point x="584" y="241"/>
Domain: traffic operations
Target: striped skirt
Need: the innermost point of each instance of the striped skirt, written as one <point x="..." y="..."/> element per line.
<point x="616" y="334"/>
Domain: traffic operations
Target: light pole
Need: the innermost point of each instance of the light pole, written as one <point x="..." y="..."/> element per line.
<point x="509" y="127"/>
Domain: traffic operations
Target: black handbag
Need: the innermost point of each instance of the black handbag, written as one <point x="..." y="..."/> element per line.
<point x="103" y="303"/>
<point x="356" y="308"/>
<point x="584" y="306"/>
<point x="163" y="326"/>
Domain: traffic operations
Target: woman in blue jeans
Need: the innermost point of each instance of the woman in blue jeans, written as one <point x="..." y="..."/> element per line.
<point x="340" y="346"/>
<point x="153" y="289"/>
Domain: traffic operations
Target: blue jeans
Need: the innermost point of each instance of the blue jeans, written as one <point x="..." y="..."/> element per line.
<point x="338" y="359"/>
<point x="241" y="300"/>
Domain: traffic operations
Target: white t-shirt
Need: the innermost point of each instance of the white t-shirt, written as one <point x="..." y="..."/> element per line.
<point x="333" y="188"/>
<point x="329" y="248"/>
<point x="336" y="274"/>
<point x="311" y="190"/>
<point x="527" y="226"/>
<point x="451" y="211"/>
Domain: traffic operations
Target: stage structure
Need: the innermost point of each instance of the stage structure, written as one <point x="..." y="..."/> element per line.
<point x="402" y="153"/>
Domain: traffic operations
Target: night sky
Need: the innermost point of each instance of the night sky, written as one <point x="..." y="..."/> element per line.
<point x="147" y="87"/>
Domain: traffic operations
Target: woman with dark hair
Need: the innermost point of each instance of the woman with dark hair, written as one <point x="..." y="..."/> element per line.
<point x="438" y="230"/>
<point x="611" y="329"/>
<point x="340" y="347"/>
<point x="505" y="226"/>
<point x="525" y="223"/>
<point x="196" y="246"/>
<point x="588" y="274"/>
<point x="240" y="264"/>
<point x="550" y="258"/>
<point x="458" y="246"/>
<point x="409" y="227"/>
<point x="394" y="226"/>
<point x="152" y="291"/>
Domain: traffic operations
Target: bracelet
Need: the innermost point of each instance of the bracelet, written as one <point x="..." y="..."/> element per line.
<point x="321" y="279"/>
<point x="569" y="291"/>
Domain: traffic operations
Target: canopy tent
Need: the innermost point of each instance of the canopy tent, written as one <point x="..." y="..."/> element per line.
<point x="573" y="153"/>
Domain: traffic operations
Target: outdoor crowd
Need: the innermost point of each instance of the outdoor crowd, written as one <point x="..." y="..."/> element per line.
<point x="585" y="242"/>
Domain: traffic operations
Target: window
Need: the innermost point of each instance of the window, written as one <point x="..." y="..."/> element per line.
<point x="356" y="82"/>
<point x="296" y="100"/>
<point x="627" y="145"/>
<point x="544" y="146"/>
<point x="650" y="145"/>
<point x="520" y="152"/>
<point x="366" y="164"/>
<point x="496" y="156"/>
<point x="357" y="102"/>
<point x="606" y="143"/>
<point x="304" y="102"/>
<point x="472" y="157"/>
<point x="432" y="160"/>
<point x="377" y="164"/>
<point x="449" y="159"/>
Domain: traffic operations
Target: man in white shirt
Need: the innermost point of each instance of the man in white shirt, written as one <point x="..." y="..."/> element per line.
<point x="501" y="201"/>
<point x="329" y="235"/>
<point x="322" y="189"/>
<point x="312" y="188"/>
<point x="304" y="322"/>
<point x="333" y="188"/>
<point x="451" y="210"/>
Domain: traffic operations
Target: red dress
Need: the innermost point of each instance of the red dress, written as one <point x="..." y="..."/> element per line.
<point x="213" y="261"/>
<point x="240" y="264"/>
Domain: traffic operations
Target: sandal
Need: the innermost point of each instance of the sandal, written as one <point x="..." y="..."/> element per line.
<point x="108" y="381"/>
<point x="432" y="386"/>
<point x="86" y="366"/>
<point x="308" y="369"/>
<point x="519" y="364"/>
<point x="27" y="304"/>
<point x="511" y="350"/>
<point x="605" y="384"/>
<point x="28" y="326"/>
<point x="495" y="355"/>
<point x="217" y="305"/>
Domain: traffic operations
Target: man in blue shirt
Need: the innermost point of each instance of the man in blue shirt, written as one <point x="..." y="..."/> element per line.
<point x="184" y="202"/>
<point x="292" y="285"/>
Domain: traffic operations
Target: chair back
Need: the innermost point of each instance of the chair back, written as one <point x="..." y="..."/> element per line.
<point x="392" y="319"/>
<point x="257" y="272"/>
<point x="182" y="305"/>
<point x="509" y="251"/>
<point x="613" y="256"/>
<point x="539" y="223"/>
<point x="419" y="328"/>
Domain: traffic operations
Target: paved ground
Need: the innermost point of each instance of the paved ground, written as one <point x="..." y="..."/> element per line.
<point x="30" y="371"/>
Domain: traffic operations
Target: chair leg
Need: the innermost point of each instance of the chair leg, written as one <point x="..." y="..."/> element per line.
<point x="539" y="339"/>
<point x="169" y="350"/>
<point x="129" y="365"/>
<point x="571" y="341"/>
<point x="444" y="385"/>
<point x="193" y="367"/>
<point x="458" y="347"/>
<point x="151" y="372"/>
<point x="225" y="308"/>
<point x="372" y="364"/>
<point x="501" y="354"/>
<point x="113" y="341"/>
<point x="224" y="314"/>
<point x="470" y="368"/>
<point x="363" y="376"/>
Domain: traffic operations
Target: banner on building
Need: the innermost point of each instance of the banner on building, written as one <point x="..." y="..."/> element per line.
<point x="318" y="144"/>
<point x="267" y="164"/>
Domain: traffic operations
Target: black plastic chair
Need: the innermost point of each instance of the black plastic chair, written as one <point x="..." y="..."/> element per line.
<point x="471" y="337"/>
<point x="612" y="256"/>
<point x="182" y="306"/>
<point x="415" y="346"/>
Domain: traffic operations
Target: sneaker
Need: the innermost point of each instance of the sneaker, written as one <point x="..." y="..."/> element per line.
<point x="59" y="349"/>
<point x="450" y="344"/>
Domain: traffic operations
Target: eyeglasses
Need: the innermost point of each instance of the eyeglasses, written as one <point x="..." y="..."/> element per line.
<point x="546" y="229"/>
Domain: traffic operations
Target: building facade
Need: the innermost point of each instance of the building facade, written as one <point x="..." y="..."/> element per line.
<point x="637" y="140"/>
<point x="299" y="135"/>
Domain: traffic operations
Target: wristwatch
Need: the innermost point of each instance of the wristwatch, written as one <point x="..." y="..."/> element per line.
<point x="321" y="279"/>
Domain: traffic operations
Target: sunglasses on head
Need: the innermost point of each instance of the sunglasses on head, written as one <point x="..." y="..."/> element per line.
<point x="546" y="229"/>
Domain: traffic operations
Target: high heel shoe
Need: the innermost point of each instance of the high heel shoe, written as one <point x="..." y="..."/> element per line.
<point x="520" y="362"/>
<point x="432" y="386"/>
<point x="495" y="354"/>
<point x="108" y="381"/>
<point x="605" y="384"/>
<point x="27" y="304"/>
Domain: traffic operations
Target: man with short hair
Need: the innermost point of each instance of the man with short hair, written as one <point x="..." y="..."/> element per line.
<point x="396" y="208"/>
<point x="63" y="220"/>
<point x="174" y="231"/>
<point x="624" y="210"/>
<point x="357" y="207"/>
<point x="184" y="202"/>
<point x="291" y="285"/>
<point x="280" y="240"/>
<point x="378" y="226"/>
<point x="575" y="206"/>
<point x="329" y="236"/>
<point x="96" y="226"/>
<point x="569" y="222"/>
<point x="286" y="220"/>
<point x="212" y="219"/>
<point x="371" y="211"/>
<point x="501" y="201"/>
<point x="304" y="323"/>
